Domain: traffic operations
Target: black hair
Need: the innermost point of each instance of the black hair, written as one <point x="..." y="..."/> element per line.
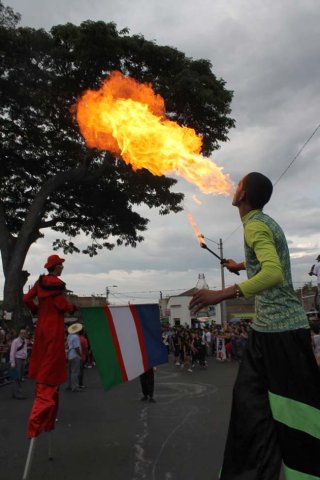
<point x="258" y="189"/>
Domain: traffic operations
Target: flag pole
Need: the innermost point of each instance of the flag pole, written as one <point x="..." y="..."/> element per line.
<point x="29" y="459"/>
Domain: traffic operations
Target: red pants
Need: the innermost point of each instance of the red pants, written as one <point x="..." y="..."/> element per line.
<point x="44" y="410"/>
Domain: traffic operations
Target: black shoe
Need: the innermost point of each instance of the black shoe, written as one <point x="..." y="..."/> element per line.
<point x="152" y="400"/>
<point x="143" y="399"/>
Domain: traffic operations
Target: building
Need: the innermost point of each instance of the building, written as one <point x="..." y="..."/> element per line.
<point x="175" y="310"/>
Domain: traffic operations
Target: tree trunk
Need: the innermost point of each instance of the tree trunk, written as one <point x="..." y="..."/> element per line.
<point x="12" y="300"/>
<point x="14" y="249"/>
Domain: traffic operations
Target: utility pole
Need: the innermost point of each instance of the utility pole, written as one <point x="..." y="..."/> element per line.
<point x="108" y="291"/>
<point x="223" y="304"/>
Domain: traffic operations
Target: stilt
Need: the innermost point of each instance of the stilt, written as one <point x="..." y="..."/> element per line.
<point x="50" y="452"/>
<point x="29" y="459"/>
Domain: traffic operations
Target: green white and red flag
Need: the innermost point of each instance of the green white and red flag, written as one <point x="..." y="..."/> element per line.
<point x="125" y="340"/>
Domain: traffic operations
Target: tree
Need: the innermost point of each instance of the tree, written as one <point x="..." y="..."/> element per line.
<point x="49" y="178"/>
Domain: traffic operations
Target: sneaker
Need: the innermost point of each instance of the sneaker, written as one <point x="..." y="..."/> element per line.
<point x="152" y="400"/>
<point x="82" y="386"/>
<point x="190" y="370"/>
<point x="177" y="364"/>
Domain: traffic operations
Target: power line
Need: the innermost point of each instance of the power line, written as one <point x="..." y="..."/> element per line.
<point x="151" y="291"/>
<point x="297" y="155"/>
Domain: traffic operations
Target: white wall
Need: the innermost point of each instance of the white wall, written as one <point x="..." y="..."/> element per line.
<point x="177" y="308"/>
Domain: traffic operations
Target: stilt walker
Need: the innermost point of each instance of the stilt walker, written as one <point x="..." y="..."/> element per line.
<point x="275" y="415"/>
<point x="48" y="359"/>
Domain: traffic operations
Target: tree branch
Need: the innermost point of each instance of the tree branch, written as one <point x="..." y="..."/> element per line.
<point x="49" y="223"/>
<point x="36" y="211"/>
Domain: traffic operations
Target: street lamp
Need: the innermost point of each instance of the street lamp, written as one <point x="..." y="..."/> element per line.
<point x="108" y="291"/>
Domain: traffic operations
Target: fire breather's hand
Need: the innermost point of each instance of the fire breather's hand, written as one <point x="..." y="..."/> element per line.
<point x="231" y="265"/>
<point x="203" y="298"/>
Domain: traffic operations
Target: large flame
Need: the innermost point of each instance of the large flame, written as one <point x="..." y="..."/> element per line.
<point x="128" y="119"/>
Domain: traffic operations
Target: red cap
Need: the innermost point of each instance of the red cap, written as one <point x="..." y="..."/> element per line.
<point x="53" y="260"/>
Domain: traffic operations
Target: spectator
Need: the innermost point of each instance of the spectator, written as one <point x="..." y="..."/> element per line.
<point x="208" y="338"/>
<point x="147" y="385"/>
<point x="201" y="348"/>
<point x="315" y="270"/>
<point x="74" y="357"/>
<point x="18" y="357"/>
<point x="316" y="346"/>
<point x="176" y="347"/>
<point x="165" y="339"/>
<point x="84" y="355"/>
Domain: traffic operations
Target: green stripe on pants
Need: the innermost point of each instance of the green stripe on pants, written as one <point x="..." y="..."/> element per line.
<point x="295" y="415"/>
<point x="294" y="475"/>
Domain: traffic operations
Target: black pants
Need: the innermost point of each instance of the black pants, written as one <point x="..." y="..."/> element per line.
<point x="81" y="374"/>
<point x="147" y="383"/>
<point x="275" y="410"/>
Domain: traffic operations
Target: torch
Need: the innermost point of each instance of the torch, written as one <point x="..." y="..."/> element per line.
<point x="203" y="243"/>
<point x="222" y="260"/>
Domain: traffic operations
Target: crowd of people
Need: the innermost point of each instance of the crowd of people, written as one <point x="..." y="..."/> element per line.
<point x="190" y="346"/>
<point x="15" y="352"/>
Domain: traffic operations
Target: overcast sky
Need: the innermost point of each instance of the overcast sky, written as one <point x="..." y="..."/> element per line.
<point x="268" y="54"/>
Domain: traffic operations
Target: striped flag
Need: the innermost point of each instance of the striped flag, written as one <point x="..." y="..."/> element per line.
<point x="125" y="340"/>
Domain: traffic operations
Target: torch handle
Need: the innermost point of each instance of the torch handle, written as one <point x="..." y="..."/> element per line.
<point x="223" y="260"/>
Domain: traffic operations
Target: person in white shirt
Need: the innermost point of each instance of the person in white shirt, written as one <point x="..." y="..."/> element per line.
<point x="315" y="270"/>
<point x="18" y="357"/>
<point x="74" y="357"/>
<point x="316" y="345"/>
<point x="208" y="337"/>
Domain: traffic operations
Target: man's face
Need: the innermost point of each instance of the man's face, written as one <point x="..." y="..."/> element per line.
<point x="58" y="269"/>
<point x="23" y="333"/>
<point x="239" y="194"/>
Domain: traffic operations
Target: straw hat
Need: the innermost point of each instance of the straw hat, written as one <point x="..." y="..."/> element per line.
<point x="75" y="328"/>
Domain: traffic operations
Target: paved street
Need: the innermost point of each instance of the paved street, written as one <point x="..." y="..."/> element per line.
<point x="113" y="436"/>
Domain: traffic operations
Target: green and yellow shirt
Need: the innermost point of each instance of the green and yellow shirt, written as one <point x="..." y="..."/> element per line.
<point x="278" y="308"/>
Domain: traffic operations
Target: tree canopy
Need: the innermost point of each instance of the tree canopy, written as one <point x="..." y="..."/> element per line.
<point x="49" y="178"/>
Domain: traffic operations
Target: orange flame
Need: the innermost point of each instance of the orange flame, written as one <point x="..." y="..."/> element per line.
<point x="196" y="229"/>
<point x="128" y="119"/>
<point x="196" y="200"/>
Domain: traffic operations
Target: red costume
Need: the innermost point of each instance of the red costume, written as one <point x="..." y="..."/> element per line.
<point x="48" y="358"/>
<point x="48" y="364"/>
